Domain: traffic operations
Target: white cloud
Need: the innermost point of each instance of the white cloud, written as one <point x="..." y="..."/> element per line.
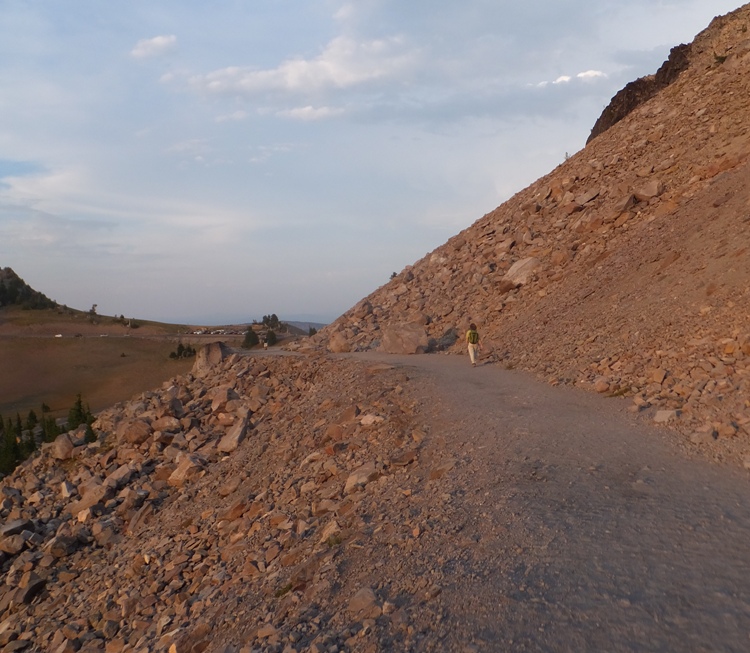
<point x="309" y="113"/>
<point x="344" y="13"/>
<point x="232" y="117"/>
<point x="343" y="63"/>
<point x="155" y="47"/>
<point x="591" y="74"/>
<point x="586" y="76"/>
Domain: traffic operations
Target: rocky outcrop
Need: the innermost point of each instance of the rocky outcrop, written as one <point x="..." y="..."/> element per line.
<point x="641" y="90"/>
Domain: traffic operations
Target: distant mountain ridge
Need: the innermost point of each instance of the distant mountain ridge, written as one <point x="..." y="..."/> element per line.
<point x="14" y="291"/>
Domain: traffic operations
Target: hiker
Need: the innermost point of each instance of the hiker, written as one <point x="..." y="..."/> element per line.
<point x="472" y="340"/>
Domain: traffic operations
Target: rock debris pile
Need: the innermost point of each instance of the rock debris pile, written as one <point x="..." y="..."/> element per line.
<point x="624" y="270"/>
<point x="230" y="511"/>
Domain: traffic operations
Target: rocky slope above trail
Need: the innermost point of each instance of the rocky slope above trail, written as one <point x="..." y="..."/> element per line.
<point x="623" y="270"/>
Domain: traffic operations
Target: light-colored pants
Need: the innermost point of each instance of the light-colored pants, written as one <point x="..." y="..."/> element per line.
<point x="473" y="352"/>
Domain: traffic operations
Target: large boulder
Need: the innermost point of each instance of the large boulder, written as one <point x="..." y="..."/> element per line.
<point x="235" y="436"/>
<point x="338" y="343"/>
<point x="189" y="467"/>
<point x="62" y="447"/>
<point x="521" y="271"/>
<point x="404" y="339"/>
<point x="210" y="356"/>
<point x="135" y="431"/>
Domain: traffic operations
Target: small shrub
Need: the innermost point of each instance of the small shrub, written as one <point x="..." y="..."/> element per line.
<point x="333" y="541"/>
<point x="182" y="351"/>
<point x="283" y="590"/>
<point x="271" y="338"/>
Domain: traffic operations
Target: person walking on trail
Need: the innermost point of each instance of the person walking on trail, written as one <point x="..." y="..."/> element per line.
<point x="472" y="341"/>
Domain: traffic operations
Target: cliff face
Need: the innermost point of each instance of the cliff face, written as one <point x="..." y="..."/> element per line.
<point x="625" y="268"/>
<point x="641" y="90"/>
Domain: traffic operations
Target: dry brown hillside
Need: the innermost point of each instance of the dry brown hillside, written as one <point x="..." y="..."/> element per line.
<point x="623" y="270"/>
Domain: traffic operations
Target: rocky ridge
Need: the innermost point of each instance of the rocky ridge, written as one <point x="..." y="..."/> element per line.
<point x="623" y="270"/>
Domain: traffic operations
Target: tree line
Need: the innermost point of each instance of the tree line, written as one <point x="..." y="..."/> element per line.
<point x="21" y="438"/>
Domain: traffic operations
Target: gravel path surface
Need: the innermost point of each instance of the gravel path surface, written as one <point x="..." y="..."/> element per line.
<point x="577" y="528"/>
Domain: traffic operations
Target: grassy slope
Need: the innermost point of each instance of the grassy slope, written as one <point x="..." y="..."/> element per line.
<point x="16" y="321"/>
<point x="54" y="370"/>
<point x="35" y="367"/>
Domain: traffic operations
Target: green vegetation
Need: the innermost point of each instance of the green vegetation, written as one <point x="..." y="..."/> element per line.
<point x="334" y="540"/>
<point x="283" y="590"/>
<point x="10" y="450"/>
<point x="14" y="291"/>
<point x="271" y="338"/>
<point x="79" y="414"/>
<point x="251" y="338"/>
<point x="183" y="351"/>
<point x="18" y="441"/>
<point x="271" y="321"/>
<point x="312" y="331"/>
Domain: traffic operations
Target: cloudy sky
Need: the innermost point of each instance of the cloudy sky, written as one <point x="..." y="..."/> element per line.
<point x="212" y="162"/>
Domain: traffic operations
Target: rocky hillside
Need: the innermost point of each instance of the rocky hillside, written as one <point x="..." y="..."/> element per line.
<point x="14" y="291"/>
<point x="210" y="515"/>
<point x="624" y="270"/>
<point x="291" y="503"/>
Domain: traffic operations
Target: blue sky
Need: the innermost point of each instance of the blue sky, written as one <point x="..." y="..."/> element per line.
<point x="212" y="162"/>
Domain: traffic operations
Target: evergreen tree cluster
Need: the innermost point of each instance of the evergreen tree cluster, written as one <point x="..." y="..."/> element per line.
<point x="271" y="321"/>
<point x="19" y="439"/>
<point x="14" y="291"/>
<point x="183" y="351"/>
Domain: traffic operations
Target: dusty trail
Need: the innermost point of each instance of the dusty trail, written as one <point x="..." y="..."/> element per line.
<point x="580" y="529"/>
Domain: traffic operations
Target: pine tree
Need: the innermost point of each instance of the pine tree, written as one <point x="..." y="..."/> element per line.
<point x="10" y="452"/>
<point x="79" y="414"/>
<point x="50" y="429"/>
<point x="251" y="339"/>
<point x="31" y="420"/>
<point x="90" y="435"/>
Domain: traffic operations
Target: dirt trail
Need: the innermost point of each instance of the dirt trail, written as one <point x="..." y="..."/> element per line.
<point x="579" y="528"/>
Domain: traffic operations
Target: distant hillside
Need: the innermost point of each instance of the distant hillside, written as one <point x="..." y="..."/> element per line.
<point x="304" y="327"/>
<point x="14" y="291"/>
